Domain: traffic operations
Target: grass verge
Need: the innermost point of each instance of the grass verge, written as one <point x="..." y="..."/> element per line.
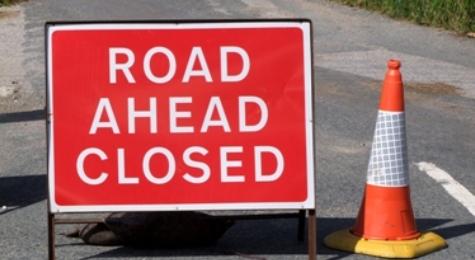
<point x="456" y="15"/>
<point x="8" y="2"/>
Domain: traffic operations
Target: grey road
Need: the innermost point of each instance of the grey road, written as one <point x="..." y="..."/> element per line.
<point x="351" y="49"/>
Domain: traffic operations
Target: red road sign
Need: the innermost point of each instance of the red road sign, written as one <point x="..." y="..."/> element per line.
<point x="180" y="116"/>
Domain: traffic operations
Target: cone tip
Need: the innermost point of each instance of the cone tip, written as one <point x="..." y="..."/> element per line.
<point x="394" y="64"/>
<point x="392" y="96"/>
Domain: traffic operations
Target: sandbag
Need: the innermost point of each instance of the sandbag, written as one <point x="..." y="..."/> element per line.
<point x="99" y="234"/>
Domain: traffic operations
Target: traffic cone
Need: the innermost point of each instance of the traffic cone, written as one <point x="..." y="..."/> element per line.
<point x="385" y="226"/>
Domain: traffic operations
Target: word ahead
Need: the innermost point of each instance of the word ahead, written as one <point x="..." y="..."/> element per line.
<point x="180" y="116"/>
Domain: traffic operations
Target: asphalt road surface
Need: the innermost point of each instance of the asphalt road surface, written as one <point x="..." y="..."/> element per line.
<point x="351" y="50"/>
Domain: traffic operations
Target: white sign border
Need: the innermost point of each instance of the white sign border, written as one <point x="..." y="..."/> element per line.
<point x="304" y="25"/>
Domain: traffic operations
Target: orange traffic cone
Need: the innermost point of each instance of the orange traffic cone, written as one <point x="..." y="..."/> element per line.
<point x="385" y="226"/>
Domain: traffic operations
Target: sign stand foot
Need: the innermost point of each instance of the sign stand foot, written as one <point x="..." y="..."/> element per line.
<point x="51" y="233"/>
<point x="301" y="226"/>
<point x="312" y="235"/>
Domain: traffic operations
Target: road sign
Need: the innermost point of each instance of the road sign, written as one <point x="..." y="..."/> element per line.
<point x="180" y="116"/>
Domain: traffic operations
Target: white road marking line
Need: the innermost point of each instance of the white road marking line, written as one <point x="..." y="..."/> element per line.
<point x="454" y="188"/>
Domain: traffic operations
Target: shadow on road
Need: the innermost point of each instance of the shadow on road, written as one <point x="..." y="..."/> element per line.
<point x="253" y="239"/>
<point x="23" y="116"/>
<point x="20" y="191"/>
<point x="455" y="231"/>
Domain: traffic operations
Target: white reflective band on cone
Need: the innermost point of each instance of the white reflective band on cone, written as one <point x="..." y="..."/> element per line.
<point x="388" y="165"/>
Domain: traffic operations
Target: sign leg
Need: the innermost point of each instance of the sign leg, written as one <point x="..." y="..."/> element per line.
<point x="312" y="235"/>
<point x="301" y="227"/>
<point x="51" y="240"/>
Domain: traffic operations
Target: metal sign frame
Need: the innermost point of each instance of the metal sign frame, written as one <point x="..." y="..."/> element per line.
<point x="307" y="209"/>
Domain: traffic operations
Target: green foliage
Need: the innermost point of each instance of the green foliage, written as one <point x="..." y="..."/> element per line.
<point x="457" y="15"/>
<point x="4" y="2"/>
<point x="8" y="2"/>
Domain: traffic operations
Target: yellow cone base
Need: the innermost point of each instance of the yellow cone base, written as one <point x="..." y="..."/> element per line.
<point x="343" y="240"/>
